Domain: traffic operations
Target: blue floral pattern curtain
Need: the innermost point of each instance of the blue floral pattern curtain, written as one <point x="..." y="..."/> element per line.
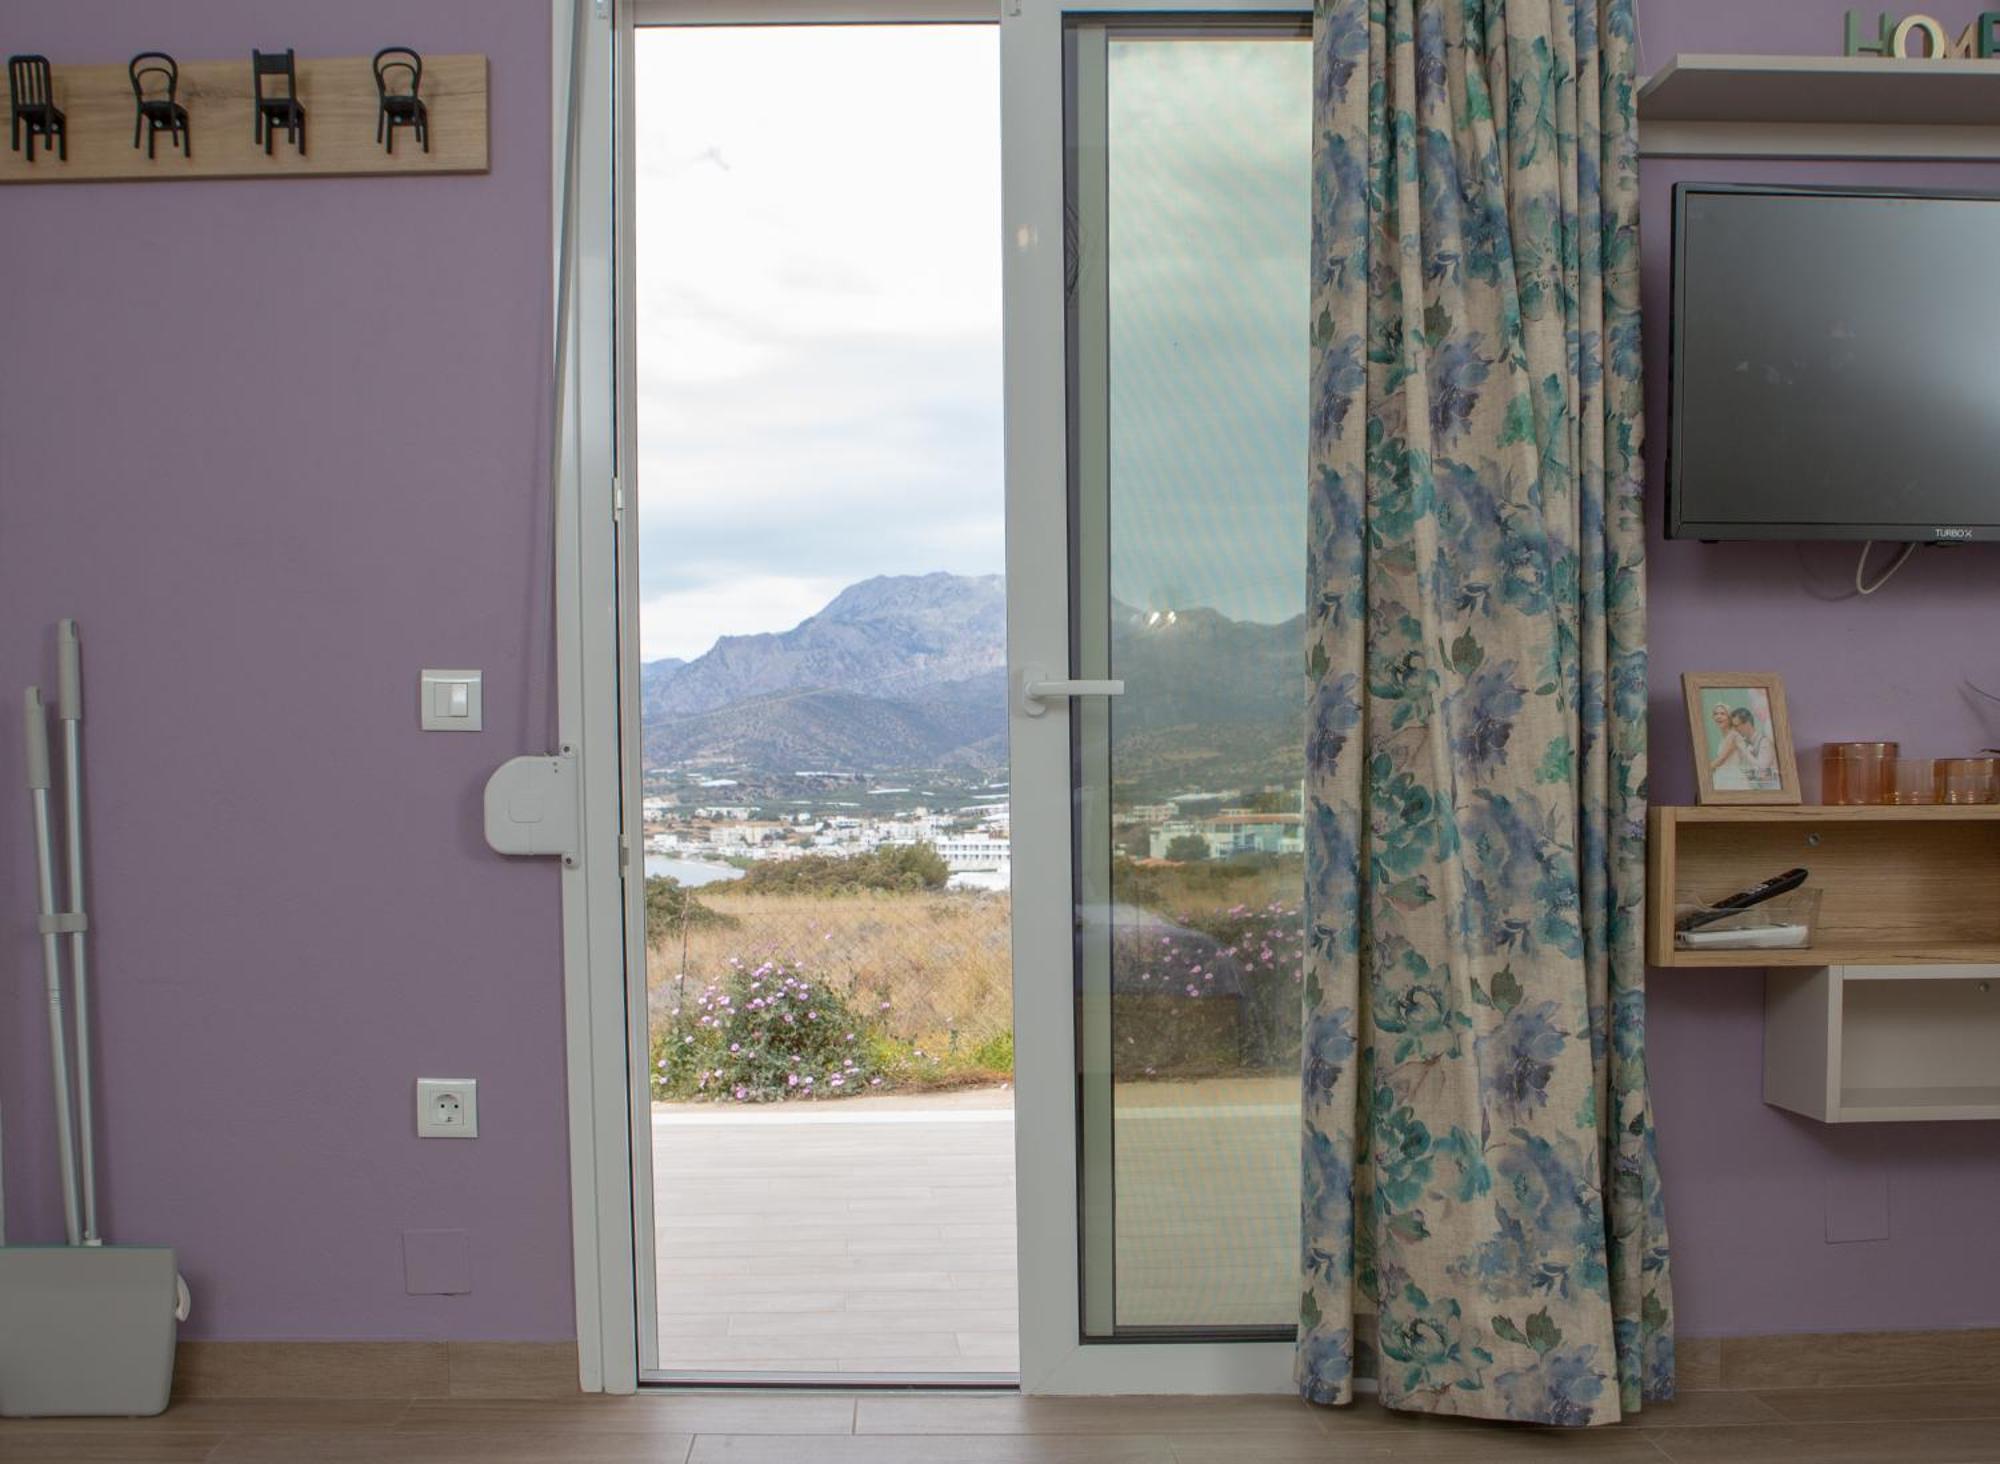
<point x="1480" y="1185"/>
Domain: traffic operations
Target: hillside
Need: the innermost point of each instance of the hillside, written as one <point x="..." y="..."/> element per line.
<point x="910" y="671"/>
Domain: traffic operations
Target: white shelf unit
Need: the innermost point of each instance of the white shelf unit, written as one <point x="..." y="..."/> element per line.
<point x="1883" y="1044"/>
<point x="1821" y="107"/>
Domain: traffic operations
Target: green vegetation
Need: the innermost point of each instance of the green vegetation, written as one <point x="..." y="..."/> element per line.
<point x="1183" y="848"/>
<point x="672" y="907"/>
<point x="891" y="869"/>
<point x="769" y="1033"/>
<point x="1255" y="879"/>
<point x="762" y="1034"/>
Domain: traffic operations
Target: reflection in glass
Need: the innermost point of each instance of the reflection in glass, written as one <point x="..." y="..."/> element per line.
<point x="1190" y="366"/>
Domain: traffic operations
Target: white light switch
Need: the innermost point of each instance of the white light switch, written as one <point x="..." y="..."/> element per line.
<point x="449" y="701"/>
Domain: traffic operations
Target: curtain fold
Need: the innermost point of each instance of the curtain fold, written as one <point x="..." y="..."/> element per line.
<point x="1479" y="1165"/>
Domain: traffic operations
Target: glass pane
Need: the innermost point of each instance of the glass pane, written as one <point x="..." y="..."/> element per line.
<point x="1189" y="375"/>
<point x="823" y="628"/>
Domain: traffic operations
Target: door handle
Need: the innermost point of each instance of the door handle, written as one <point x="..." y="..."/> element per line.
<point x="1037" y="691"/>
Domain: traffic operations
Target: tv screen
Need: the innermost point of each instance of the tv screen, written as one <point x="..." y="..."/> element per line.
<point x="1836" y="365"/>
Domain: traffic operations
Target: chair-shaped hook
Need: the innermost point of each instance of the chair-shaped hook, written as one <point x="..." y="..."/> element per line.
<point x="278" y="109"/>
<point x="34" y="110"/>
<point x="399" y="108"/>
<point x="156" y="85"/>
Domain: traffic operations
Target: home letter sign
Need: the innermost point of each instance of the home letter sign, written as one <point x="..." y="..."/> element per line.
<point x="1893" y="38"/>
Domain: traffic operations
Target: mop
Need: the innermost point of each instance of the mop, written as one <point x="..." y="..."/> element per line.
<point x="91" y="1326"/>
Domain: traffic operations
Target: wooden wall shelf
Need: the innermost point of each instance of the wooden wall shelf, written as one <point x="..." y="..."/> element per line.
<point x="339" y="97"/>
<point x="1702" y="106"/>
<point x="1901" y="886"/>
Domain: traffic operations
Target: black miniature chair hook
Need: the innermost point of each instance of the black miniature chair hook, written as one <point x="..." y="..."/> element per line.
<point x="34" y="110"/>
<point x="156" y="84"/>
<point x="279" y="109"/>
<point x="399" y="108"/>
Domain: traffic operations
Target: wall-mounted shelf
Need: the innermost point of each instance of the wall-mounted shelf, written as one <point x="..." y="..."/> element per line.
<point x="1902" y="886"/>
<point x="1821" y="107"/>
<point x="1883" y="1044"/>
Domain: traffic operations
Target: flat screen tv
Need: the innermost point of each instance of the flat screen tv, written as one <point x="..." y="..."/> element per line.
<point x="1836" y="365"/>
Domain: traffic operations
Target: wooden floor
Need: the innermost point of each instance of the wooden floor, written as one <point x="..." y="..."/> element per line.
<point x="1912" y="1425"/>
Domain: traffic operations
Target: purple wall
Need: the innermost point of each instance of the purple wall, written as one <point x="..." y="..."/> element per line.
<point x="1754" y="1192"/>
<point x="277" y="445"/>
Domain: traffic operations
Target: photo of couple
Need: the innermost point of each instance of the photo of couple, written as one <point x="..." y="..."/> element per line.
<point x="1742" y="752"/>
<point x="1742" y="738"/>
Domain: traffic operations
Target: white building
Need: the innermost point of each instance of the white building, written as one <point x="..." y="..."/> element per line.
<point x="966" y="852"/>
<point x="1233" y="833"/>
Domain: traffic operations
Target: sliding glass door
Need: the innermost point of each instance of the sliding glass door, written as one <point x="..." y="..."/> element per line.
<point x="996" y="769"/>
<point x="1158" y="228"/>
<point x="822" y="721"/>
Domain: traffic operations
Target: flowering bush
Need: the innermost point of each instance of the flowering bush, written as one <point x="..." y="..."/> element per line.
<point x="1213" y="991"/>
<point x="763" y="1034"/>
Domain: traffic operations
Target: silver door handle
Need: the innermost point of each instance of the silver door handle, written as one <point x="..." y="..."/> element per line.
<point x="1037" y="692"/>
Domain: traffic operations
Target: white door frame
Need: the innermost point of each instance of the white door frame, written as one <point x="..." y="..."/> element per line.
<point x="1055" y="1358"/>
<point x="597" y="1019"/>
<point x="597" y="653"/>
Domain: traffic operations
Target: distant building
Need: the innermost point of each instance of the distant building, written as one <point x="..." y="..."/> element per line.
<point x="966" y="852"/>
<point x="1233" y="833"/>
<point x="744" y="833"/>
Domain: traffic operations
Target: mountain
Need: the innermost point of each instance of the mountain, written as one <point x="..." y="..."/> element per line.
<point x="892" y="636"/>
<point x="898" y="671"/>
<point x="909" y="671"/>
<point x="1209" y="702"/>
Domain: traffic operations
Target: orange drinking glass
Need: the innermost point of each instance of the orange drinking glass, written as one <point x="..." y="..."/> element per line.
<point x="1966" y="779"/>
<point x="1855" y="772"/>
<point x="1913" y="780"/>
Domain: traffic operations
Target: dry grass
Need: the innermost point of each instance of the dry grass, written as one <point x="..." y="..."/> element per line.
<point x="933" y="968"/>
<point x="939" y="960"/>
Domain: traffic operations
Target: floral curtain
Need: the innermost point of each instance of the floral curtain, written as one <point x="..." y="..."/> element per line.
<point x="1480" y="1185"/>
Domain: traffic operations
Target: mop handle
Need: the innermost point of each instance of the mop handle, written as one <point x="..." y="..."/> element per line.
<point x="37" y="742"/>
<point x="69" y="672"/>
<point x="69" y="711"/>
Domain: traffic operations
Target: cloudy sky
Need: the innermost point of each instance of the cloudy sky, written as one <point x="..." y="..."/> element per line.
<point x="819" y="389"/>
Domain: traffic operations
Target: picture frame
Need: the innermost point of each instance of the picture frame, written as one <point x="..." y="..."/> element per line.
<point x="1742" y="737"/>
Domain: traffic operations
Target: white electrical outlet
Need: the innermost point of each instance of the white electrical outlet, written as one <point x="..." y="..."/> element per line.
<point x="447" y="1108"/>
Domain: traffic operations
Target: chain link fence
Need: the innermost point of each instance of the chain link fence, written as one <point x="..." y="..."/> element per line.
<point x="931" y="968"/>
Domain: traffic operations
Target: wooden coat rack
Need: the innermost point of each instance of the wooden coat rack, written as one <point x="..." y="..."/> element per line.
<point x="340" y="101"/>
